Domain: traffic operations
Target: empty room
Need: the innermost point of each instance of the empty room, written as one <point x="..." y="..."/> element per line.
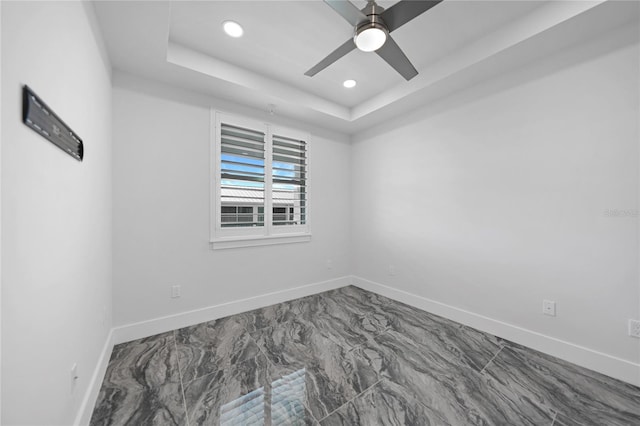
<point x="320" y="212"/>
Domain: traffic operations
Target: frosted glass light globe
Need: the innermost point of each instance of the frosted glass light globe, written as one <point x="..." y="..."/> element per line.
<point x="371" y="39"/>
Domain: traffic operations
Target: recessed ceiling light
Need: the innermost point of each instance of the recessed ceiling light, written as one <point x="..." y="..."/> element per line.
<point x="233" y="29"/>
<point x="349" y="84"/>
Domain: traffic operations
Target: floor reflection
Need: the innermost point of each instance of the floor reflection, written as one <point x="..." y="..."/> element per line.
<point x="279" y="402"/>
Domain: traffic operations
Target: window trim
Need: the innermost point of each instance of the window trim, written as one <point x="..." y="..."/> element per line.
<point x="233" y="237"/>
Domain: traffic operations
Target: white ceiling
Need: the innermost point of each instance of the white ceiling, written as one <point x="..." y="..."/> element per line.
<point x="182" y="43"/>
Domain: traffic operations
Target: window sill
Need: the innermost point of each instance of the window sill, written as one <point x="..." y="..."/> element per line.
<point x="253" y="241"/>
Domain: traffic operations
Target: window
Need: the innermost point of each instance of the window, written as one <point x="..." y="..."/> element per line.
<point x="260" y="183"/>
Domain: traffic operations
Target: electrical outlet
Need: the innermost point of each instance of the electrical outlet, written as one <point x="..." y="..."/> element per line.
<point x="74" y="376"/>
<point x="549" y="307"/>
<point x="392" y="270"/>
<point x="634" y="328"/>
<point x="329" y="264"/>
<point x="175" y="291"/>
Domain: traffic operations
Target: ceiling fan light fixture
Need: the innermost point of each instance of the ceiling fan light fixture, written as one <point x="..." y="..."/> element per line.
<point x="233" y="29"/>
<point x="371" y="36"/>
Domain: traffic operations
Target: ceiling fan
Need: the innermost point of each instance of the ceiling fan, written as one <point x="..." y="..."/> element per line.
<point x="372" y="27"/>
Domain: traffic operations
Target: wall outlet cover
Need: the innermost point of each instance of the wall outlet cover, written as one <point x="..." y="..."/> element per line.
<point x="549" y="307"/>
<point x="175" y="291"/>
<point x="634" y="328"/>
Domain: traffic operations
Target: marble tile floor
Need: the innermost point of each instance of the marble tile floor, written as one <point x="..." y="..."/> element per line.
<point x="350" y="357"/>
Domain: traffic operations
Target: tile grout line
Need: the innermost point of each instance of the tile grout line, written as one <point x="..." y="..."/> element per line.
<point x="184" y="398"/>
<point x="351" y="400"/>
<point x="491" y="360"/>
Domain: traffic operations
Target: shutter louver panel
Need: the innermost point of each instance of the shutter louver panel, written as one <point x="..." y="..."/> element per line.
<point x="242" y="176"/>
<point x="289" y="180"/>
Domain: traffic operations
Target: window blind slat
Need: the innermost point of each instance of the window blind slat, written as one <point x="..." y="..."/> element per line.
<point x="243" y="142"/>
<point x="291" y="145"/>
<point x="230" y="130"/>
<point x="283" y="139"/>
<point x="288" y="159"/>
<point x="289" y="167"/>
<point x="242" y="152"/>
<point x="230" y="164"/>
<point x="229" y="176"/>
<point x="289" y="152"/>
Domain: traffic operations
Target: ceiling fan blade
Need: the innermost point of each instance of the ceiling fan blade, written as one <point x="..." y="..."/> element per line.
<point x="347" y="10"/>
<point x="395" y="57"/>
<point x="346" y="47"/>
<point x="404" y="11"/>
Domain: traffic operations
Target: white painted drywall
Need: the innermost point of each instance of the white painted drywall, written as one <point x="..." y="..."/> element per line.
<point x="161" y="209"/>
<point x="501" y="196"/>
<point x="56" y="213"/>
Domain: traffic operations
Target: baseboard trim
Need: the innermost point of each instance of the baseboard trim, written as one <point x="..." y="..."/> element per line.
<point x="609" y="365"/>
<point x="91" y="395"/>
<point x="147" y="328"/>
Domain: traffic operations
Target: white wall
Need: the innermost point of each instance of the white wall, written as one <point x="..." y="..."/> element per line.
<point x="496" y="202"/>
<point x="161" y="209"/>
<point x="56" y="213"/>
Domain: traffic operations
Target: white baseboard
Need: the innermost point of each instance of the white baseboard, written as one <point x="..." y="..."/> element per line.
<point x="147" y="328"/>
<point x="603" y="363"/>
<point x="91" y="395"/>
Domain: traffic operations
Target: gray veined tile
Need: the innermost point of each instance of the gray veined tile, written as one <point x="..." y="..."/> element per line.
<point x="289" y="399"/>
<point x="453" y="392"/>
<point x="141" y="385"/>
<point x="332" y="374"/>
<point x="347" y="323"/>
<point x="348" y="329"/>
<point x="357" y="296"/>
<point x="161" y="406"/>
<point x="273" y="315"/>
<point x="354" y="300"/>
<point x="290" y="342"/>
<point x="386" y="403"/>
<point x="248" y="393"/>
<point x="344" y="315"/>
<point x="581" y="396"/>
<point x="329" y="387"/>
<point x="210" y="346"/>
<point x="470" y="346"/>
<point x="562" y="420"/>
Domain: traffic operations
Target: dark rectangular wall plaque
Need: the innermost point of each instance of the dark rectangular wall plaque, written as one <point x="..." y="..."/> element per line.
<point x="37" y="115"/>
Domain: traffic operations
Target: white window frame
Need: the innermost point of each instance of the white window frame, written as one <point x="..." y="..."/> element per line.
<point x="234" y="237"/>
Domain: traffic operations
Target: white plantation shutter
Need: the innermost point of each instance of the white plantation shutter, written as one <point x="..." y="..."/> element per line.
<point x="242" y="173"/>
<point x="289" y="181"/>
<point x="260" y="189"/>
